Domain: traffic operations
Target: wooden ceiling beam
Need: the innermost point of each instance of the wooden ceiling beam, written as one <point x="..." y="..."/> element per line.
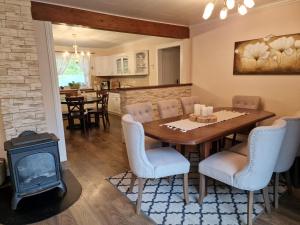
<point x="72" y="16"/>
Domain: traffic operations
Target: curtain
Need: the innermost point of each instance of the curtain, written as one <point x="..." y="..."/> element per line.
<point x="62" y="61"/>
<point x="84" y="63"/>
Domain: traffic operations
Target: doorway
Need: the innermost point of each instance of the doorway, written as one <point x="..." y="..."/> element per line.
<point x="169" y="65"/>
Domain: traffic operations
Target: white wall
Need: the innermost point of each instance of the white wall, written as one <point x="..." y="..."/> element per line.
<point x="50" y="90"/>
<point x="213" y="51"/>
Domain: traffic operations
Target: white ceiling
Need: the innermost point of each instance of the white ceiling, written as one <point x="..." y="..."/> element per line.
<point x="183" y="12"/>
<point x="91" y="38"/>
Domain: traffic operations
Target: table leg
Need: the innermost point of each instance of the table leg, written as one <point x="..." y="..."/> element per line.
<point x="207" y="148"/>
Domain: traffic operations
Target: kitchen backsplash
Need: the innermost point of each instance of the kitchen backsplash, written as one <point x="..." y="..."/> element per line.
<point x="134" y="81"/>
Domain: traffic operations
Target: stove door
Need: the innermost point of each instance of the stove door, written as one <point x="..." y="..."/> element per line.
<point x="36" y="172"/>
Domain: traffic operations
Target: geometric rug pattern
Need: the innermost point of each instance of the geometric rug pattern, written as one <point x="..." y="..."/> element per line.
<point x="163" y="201"/>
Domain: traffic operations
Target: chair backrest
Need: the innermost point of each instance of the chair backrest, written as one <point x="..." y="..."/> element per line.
<point x="168" y="108"/>
<point x="135" y="145"/>
<point x="75" y="104"/>
<point x="188" y="104"/>
<point x="264" y="145"/>
<point x="246" y="102"/>
<point x="104" y="100"/>
<point x="290" y="145"/>
<point x="141" y="112"/>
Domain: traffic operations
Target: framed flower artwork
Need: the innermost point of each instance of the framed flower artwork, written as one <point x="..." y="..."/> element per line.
<point x="269" y="55"/>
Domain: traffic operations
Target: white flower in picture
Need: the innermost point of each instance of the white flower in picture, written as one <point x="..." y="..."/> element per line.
<point x="258" y="51"/>
<point x="283" y="45"/>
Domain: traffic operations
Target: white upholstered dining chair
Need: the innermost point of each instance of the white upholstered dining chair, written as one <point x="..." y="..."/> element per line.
<point x="288" y="152"/>
<point x="142" y="112"/>
<point x="155" y="163"/>
<point x="250" y="173"/>
<point x="188" y="104"/>
<point x="168" y="108"/>
<point x="244" y="102"/>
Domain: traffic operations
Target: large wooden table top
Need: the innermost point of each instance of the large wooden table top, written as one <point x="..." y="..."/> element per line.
<point x="204" y="134"/>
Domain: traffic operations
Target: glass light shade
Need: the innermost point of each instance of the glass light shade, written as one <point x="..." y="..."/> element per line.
<point x="223" y="13"/>
<point x="230" y="4"/>
<point x="65" y="54"/>
<point x="249" y="3"/>
<point x="209" y="8"/>
<point x="82" y="53"/>
<point x="242" y="10"/>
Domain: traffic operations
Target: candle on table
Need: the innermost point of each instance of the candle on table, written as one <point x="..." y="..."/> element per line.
<point x="201" y="108"/>
<point x="197" y="109"/>
<point x="210" y="110"/>
<point x="204" y="111"/>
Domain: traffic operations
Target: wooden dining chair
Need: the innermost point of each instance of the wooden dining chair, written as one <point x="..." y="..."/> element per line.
<point x="250" y="173"/>
<point x="152" y="164"/>
<point x="100" y="111"/>
<point x="76" y="111"/>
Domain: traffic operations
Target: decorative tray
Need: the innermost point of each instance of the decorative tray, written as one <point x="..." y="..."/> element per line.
<point x="203" y="119"/>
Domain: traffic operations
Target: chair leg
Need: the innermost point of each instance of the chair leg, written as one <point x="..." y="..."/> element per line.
<point x="107" y="118"/>
<point x="141" y="182"/>
<point x="103" y="121"/>
<point x="267" y="200"/>
<point x="202" y="188"/>
<point x="182" y="149"/>
<point x="276" y="190"/>
<point x="250" y="207"/>
<point x="289" y="182"/>
<point x="233" y="139"/>
<point x="132" y="180"/>
<point x="186" y="188"/>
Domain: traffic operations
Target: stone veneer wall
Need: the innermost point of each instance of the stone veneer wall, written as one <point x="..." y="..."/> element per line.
<point x="20" y="86"/>
<point x="154" y="95"/>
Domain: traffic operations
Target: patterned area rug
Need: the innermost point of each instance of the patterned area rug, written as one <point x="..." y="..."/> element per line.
<point x="163" y="201"/>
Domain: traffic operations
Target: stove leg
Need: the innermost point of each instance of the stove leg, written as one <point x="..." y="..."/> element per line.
<point x="15" y="201"/>
<point x="62" y="189"/>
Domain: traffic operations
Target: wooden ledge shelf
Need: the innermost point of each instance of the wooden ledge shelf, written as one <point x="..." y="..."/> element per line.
<point x="154" y="87"/>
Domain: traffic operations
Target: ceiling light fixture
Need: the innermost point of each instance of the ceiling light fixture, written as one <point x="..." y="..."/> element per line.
<point x="242" y="8"/>
<point x="223" y="13"/>
<point x="249" y="3"/>
<point x="76" y="55"/>
<point x="230" y="4"/>
<point x="209" y="8"/>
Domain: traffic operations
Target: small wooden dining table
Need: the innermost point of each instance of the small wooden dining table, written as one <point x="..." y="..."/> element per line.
<point x="87" y="100"/>
<point x="207" y="134"/>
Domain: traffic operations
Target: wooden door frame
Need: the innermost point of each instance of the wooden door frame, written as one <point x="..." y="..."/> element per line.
<point x="62" y="14"/>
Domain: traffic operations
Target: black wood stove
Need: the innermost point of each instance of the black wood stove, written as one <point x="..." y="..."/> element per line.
<point x="34" y="165"/>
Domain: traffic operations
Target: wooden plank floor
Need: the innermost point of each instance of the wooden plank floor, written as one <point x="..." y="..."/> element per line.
<point x="101" y="154"/>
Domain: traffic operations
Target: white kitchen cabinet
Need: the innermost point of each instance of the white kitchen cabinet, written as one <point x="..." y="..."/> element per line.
<point x="123" y="64"/>
<point x="103" y="66"/>
<point x="114" y="103"/>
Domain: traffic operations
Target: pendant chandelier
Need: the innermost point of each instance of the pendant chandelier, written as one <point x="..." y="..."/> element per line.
<point x="242" y="8"/>
<point x="76" y="55"/>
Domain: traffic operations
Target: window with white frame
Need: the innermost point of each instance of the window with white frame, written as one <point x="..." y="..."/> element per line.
<point x="73" y="68"/>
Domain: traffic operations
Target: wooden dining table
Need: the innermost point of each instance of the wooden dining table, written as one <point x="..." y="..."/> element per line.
<point x="207" y="134"/>
<point x="87" y="100"/>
